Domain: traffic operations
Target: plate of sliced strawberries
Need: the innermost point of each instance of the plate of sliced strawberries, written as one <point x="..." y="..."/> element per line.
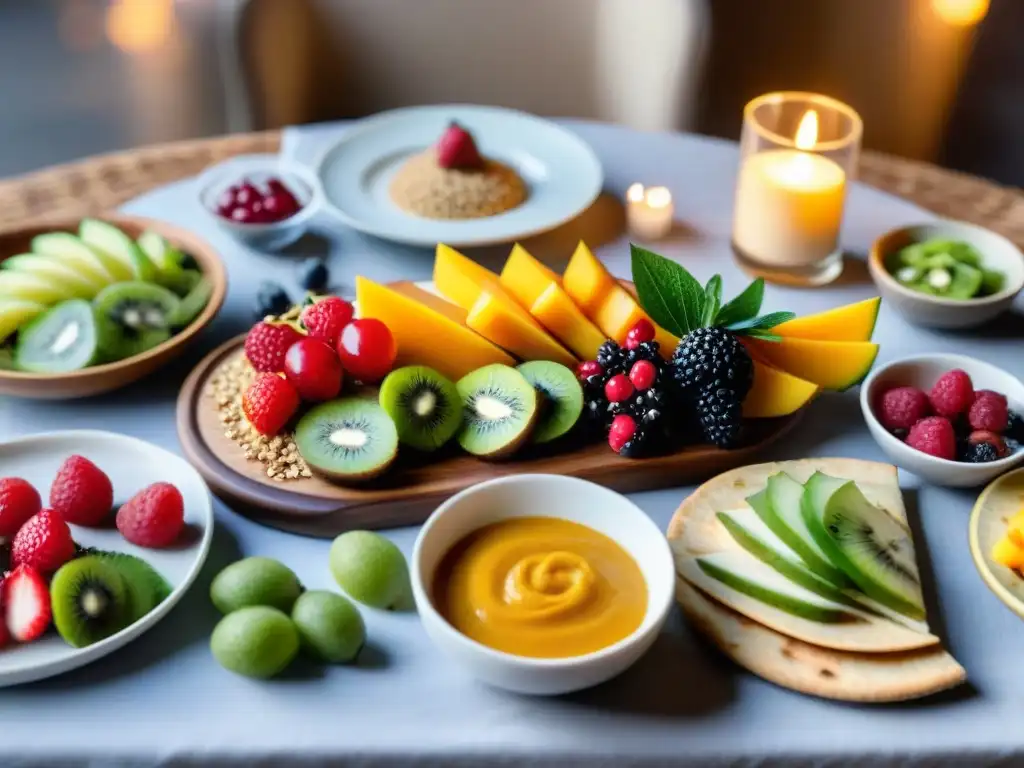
<point x="102" y="535"/>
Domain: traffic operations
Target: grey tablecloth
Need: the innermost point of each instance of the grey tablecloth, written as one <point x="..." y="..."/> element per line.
<point x="163" y="700"/>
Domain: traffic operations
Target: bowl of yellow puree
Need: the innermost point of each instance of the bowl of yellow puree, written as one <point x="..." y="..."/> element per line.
<point x="542" y="584"/>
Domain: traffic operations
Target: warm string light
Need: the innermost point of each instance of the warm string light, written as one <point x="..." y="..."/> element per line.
<point x="137" y="26"/>
<point x="655" y="197"/>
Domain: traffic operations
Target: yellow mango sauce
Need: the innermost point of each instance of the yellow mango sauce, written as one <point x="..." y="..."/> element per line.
<point x="541" y="587"/>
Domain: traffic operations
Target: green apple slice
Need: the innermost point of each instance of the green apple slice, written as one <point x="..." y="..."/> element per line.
<point x="749" y="530"/>
<point x="107" y="239"/>
<point x="52" y="269"/>
<point x="869" y="544"/>
<point x="71" y="251"/>
<point x="14" y="313"/>
<point x="783" y="515"/>
<point x="27" y="287"/>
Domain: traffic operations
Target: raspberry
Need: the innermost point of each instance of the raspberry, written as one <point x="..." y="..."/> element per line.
<point x="989" y="411"/>
<point x="642" y="331"/>
<point x="44" y="542"/>
<point x="988" y="437"/>
<point x="934" y="436"/>
<point x="325" y="319"/>
<point x="643" y="373"/>
<point x="902" y="407"/>
<point x="269" y="402"/>
<point x="588" y="368"/>
<point x="153" y="517"/>
<point x="18" y="502"/>
<point x="621" y="431"/>
<point x="952" y="394"/>
<point x="618" y="388"/>
<point x="81" y="493"/>
<point x="267" y="343"/>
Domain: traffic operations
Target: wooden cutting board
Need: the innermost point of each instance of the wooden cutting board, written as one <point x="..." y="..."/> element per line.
<point x="415" y="485"/>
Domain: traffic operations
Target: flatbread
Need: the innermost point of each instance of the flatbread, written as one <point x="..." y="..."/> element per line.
<point x="780" y="658"/>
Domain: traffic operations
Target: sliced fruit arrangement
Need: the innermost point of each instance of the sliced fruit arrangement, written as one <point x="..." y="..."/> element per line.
<point x="269" y="616"/>
<point x="816" y="550"/>
<point x="86" y="594"/>
<point x="952" y="420"/>
<point x="95" y="297"/>
<point x="946" y="268"/>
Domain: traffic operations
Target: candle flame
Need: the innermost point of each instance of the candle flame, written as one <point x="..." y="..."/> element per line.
<point x="961" y="13"/>
<point x="635" y="193"/>
<point x="807" y="133"/>
<point x="658" y="197"/>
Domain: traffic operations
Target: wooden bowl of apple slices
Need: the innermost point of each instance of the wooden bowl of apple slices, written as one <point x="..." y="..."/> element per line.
<point x="88" y="306"/>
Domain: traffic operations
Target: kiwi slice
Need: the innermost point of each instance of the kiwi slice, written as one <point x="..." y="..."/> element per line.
<point x="348" y="440"/>
<point x="867" y="543"/>
<point x="424" y="405"/>
<point x="145" y="587"/>
<point x="134" y="317"/>
<point x="64" y="338"/>
<point x="966" y="281"/>
<point x="991" y="282"/>
<point x="194" y="301"/>
<point x="562" y="398"/>
<point x="89" y="600"/>
<point x="499" y="411"/>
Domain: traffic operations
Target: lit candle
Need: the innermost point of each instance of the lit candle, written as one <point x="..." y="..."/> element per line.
<point x="649" y="211"/>
<point x="789" y="202"/>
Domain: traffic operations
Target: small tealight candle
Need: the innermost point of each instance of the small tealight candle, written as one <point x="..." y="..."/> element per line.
<point x="649" y="211"/>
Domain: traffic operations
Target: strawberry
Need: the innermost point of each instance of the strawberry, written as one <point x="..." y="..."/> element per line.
<point x="18" y="502"/>
<point x="325" y="319"/>
<point x="266" y="345"/>
<point x="457" y="149"/>
<point x="44" y="542"/>
<point x="269" y="402"/>
<point x="26" y="601"/>
<point x="81" y="493"/>
<point x="153" y="517"/>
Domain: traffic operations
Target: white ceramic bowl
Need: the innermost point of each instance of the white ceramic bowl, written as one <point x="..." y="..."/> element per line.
<point x="258" y="169"/>
<point x="923" y="371"/>
<point x="566" y="498"/>
<point x="996" y="253"/>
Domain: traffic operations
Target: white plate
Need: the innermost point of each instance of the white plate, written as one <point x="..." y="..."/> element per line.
<point x="132" y="465"/>
<point x="562" y="172"/>
<point x="1000" y="501"/>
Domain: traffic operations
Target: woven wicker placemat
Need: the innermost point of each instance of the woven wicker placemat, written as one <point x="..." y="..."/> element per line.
<point x="103" y="182"/>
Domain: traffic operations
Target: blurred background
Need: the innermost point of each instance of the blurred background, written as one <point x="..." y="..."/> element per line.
<point x="935" y="80"/>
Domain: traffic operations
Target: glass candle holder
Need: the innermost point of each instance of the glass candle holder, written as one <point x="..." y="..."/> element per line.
<point x="797" y="151"/>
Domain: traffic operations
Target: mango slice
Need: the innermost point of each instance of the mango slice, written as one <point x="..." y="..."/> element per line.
<point x="427" y="329"/>
<point x="496" y="316"/>
<point x="539" y="290"/>
<point x="586" y="280"/>
<point x="852" y="322"/>
<point x="1008" y="554"/>
<point x="776" y="393"/>
<point x="835" y="365"/>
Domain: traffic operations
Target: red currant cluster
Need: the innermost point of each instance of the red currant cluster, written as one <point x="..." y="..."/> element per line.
<point x="245" y="203"/>
<point x="314" y="360"/>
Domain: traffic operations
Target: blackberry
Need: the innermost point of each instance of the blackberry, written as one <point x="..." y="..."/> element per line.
<point x="980" y="453"/>
<point x="720" y="411"/>
<point x="710" y="357"/>
<point x="644" y="442"/>
<point x="271" y="299"/>
<point x="313" y="275"/>
<point x="614" y="360"/>
<point x="1015" y="427"/>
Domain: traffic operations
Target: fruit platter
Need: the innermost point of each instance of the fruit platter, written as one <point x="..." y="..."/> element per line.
<point x="329" y="415"/>
<point x="88" y="306"/>
<point x="101" y="536"/>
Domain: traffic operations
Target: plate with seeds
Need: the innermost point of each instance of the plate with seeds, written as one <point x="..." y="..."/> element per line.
<point x="111" y="591"/>
<point x="463" y="175"/>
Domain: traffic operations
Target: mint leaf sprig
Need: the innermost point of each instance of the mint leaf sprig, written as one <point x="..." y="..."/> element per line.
<point x="676" y="301"/>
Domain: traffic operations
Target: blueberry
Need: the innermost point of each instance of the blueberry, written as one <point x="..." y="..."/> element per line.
<point x="313" y="275"/>
<point x="271" y="299"/>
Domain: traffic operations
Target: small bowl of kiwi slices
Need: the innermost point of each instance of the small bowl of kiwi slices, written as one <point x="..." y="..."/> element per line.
<point x="90" y="305"/>
<point x="947" y="274"/>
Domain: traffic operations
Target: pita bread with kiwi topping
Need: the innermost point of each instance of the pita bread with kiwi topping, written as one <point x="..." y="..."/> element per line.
<point x="855" y="632"/>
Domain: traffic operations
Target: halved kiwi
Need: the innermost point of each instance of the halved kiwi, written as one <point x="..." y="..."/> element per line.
<point x="348" y="440"/>
<point x="64" y="338"/>
<point x="134" y="317"/>
<point x="145" y="587"/>
<point x="424" y="405"/>
<point x="500" y="410"/>
<point x="89" y="600"/>
<point x="562" y="401"/>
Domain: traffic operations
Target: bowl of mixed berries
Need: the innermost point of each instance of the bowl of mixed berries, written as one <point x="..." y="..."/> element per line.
<point x="951" y="419"/>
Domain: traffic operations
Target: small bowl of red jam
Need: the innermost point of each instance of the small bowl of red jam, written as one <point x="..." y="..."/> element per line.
<point x="261" y="200"/>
